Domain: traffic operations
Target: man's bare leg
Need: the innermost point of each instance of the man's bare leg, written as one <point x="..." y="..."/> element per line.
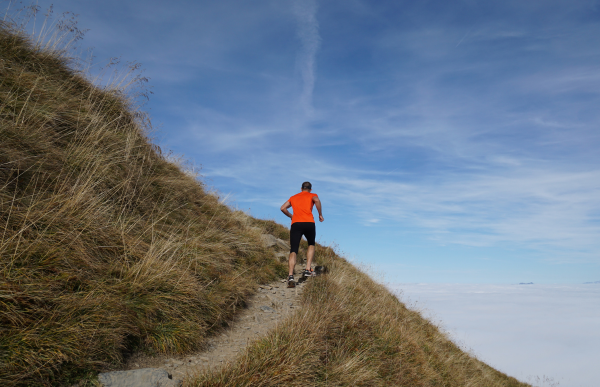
<point x="309" y="256"/>
<point x="292" y="263"/>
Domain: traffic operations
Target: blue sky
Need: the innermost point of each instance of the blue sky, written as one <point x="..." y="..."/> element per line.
<point x="450" y="142"/>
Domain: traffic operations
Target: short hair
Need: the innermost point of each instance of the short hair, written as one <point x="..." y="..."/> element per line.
<point x="306" y="185"/>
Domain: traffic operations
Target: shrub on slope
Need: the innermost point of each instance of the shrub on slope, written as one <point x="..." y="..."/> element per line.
<point x="105" y="246"/>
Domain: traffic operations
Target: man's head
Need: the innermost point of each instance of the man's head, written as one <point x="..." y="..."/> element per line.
<point x="306" y="186"/>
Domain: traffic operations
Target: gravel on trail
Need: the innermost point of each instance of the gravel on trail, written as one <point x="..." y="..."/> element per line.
<point x="271" y="304"/>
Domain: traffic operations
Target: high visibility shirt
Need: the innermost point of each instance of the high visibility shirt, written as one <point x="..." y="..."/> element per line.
<point x="302" y="205"/>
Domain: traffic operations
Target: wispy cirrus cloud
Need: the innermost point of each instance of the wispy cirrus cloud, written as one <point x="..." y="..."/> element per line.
<point x="459" y="125"/>
<point x="308" y="33"/>
<point x="504" y="202"/>
<point x="533" y="207"/>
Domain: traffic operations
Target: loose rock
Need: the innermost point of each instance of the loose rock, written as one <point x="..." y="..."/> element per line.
<point x="270" y="241"/>
<point x="144" y="377"/>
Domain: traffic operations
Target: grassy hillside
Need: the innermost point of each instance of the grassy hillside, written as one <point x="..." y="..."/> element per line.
<point x="107" y="248"/>
<point x="352" y="331"/>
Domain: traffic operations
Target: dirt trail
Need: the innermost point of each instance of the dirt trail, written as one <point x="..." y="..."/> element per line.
<point x="271" y="304"/>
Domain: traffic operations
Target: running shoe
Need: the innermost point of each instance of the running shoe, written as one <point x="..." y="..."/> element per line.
<point x="291" y="282"/>
<point x="308" y="273"/>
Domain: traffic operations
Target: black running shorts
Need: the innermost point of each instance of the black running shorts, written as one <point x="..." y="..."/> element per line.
<point x="302" y="228"/>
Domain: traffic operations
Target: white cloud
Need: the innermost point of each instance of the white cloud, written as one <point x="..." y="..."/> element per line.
<point x="530" y="206"/>
<point x="526" y="331"/>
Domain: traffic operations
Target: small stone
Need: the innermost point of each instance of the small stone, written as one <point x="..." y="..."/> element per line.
<point x="204" y="358"/>
<point x="267" y="309"/>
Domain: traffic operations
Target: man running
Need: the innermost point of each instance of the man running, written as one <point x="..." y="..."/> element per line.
<point x="303" y="223"/>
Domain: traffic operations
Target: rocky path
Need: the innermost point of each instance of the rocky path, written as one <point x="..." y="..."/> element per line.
<point x="271" y="304"/>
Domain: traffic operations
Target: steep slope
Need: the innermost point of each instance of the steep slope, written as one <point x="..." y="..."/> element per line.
<point x="107" y="248"/>
<point x="351" y="331"/>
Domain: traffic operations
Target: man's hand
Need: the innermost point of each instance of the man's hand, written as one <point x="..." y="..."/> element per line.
<point x="317" y="202"/>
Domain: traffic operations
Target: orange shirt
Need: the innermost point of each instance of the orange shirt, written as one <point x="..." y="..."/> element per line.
<point x="302" y="206"/>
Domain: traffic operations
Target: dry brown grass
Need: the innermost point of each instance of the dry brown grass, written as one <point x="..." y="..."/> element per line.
<point x="106" y="247"/>
<point x="352" y="331"/>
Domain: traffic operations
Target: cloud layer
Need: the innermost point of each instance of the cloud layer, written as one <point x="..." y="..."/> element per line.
<point x="541" y="334"/>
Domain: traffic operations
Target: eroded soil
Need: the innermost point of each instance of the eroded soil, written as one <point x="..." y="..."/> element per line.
<point x="271" y="304"/>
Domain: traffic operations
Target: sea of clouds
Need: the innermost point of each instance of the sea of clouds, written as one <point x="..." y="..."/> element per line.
<point x="547" y="335"/>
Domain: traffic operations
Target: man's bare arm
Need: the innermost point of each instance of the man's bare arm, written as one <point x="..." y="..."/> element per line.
<point x="284" y="209"/>
<point x="318" y="205"/>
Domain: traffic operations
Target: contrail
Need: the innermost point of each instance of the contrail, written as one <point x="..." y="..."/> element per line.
<point x="463" y="38"/>
<point x="308" y="32"/>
